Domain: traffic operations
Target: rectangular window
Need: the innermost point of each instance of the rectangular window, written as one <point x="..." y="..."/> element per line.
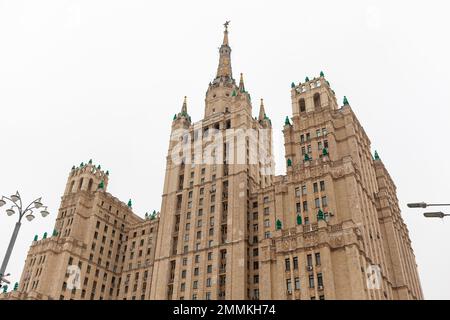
<point x="297" y="283"/>
<point x="322" y="185"/>
<point x="315" y="187"/>
<point x="304" y="190"/>
<point x="311" y="281"/>
<point x="319" y="280"/>
<point x="298" y="207"/>
<point x="309" y="260"/>
<point x="317" y="202"/>
<point x="297" y="192"/>
<point x="305" y="205"/>
<point x="287" y="264"/>
<point x="295" y="263"/>
<point x="318" y="132"/>
<point x="324" y="201"/>
<point x="288" y="286"/>
<point x="317" y="259"/>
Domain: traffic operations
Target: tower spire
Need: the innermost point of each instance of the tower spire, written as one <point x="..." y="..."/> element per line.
<point x="224" y="68"/>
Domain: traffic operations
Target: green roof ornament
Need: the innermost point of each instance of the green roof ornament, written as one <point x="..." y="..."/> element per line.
<point x="129" y="204"/>
<point x="307" y="158"/>
<point x="99" y="167"/>
<point x="299" y="219"/>
<point x="153" y="216"/>
<point x="377" y="157"/>
<point x="233" y="94"/>
<point x="306" y="79"/>
<point x="5" y="288"/>
<point x="82" y="165"/>
<point x="16" y="286"/>
<point x="90" y="161"/>
<point x="101" y="185"/>
<point x="289" y="162"/>
<point x="45" y="235"/>
<point x="175" y="116"/>
<point x="107" y="172"/>
<point x="345" y="101"/>
<point x="36" y="238"/>
<point x="146" y="216"/>
<point x="322" y="74"/>
<point x="320" y="215"/>
<point x="279" y="225"/>
<point x="73" y="167"/>
<point x="292" y="85"/>
<point x="287" y="122"/>
<point x="55" y="233"/>
<point x="325" y="151"/>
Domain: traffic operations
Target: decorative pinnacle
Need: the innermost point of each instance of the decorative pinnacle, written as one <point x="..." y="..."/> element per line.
<point x="322" y="74"/>
<point x="129" y="204"/>
<point x="287" y="122"/>
<point x="376" y="156"/>
<point x="345" y="101"/>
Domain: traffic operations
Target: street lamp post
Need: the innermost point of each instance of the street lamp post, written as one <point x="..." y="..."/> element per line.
<point x="16" y="202"/>
<point x="438" y="214"/>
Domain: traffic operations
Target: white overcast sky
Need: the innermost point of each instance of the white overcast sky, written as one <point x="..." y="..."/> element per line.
<point x="102" y="80"/>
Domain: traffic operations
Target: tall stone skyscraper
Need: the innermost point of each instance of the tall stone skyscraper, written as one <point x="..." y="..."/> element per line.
<point x="330" y="228"/>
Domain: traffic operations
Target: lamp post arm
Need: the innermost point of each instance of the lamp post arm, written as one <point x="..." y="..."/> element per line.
<point x="438" y="204"/>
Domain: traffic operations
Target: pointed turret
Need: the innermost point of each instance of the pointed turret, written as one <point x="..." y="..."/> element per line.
<point x="262" y="111"/>
<point x="241" y="84"/>
<point x="184" y="107"/>
<point x="224" y="68"/>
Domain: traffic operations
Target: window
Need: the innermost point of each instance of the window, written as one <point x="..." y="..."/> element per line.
<point x="298" y="207"/>
<point x="315" y="187"/>
<point x="317" y="202"/>
<point x="297" y="192"/>
<point x="266" y="210"/>
<point x="297" y="283"/>
<point x="208" y="296"/>
<point x="324" y="201"/>
<point x="311" y="281"/>
<point x="256" y="278"/>
<point x="305" y="205"/>
<point x="295" y="263"/>
<point x="304" y="190"/>
<point x="319" y="280"/>
<point x="322" y="185"/>
<point x="208" y="282"/>
<point x="302" y="138"/>
<point x="288" y="286"/>
<point x="287" y="264"/>
<point x="195" y="284"/>
<point x="309" y="260"/>
<point x="302" y="105"/>
<point x="317" y="258"/>
<point x="316" y="100"/>
<point x="318" y="133"/>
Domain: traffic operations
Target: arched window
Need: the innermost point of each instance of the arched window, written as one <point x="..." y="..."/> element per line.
<point x="317" y="100"/>
<point x="71" y="186"/>
<point x="90" y="184"/>
<point x="302" y="105"/>
<point x="81" y="184"/>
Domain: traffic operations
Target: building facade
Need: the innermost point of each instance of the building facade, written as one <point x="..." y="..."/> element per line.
<point x="229" y="228"/>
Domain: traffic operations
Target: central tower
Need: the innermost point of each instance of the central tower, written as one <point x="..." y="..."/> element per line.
<point x="205" y="245"/>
